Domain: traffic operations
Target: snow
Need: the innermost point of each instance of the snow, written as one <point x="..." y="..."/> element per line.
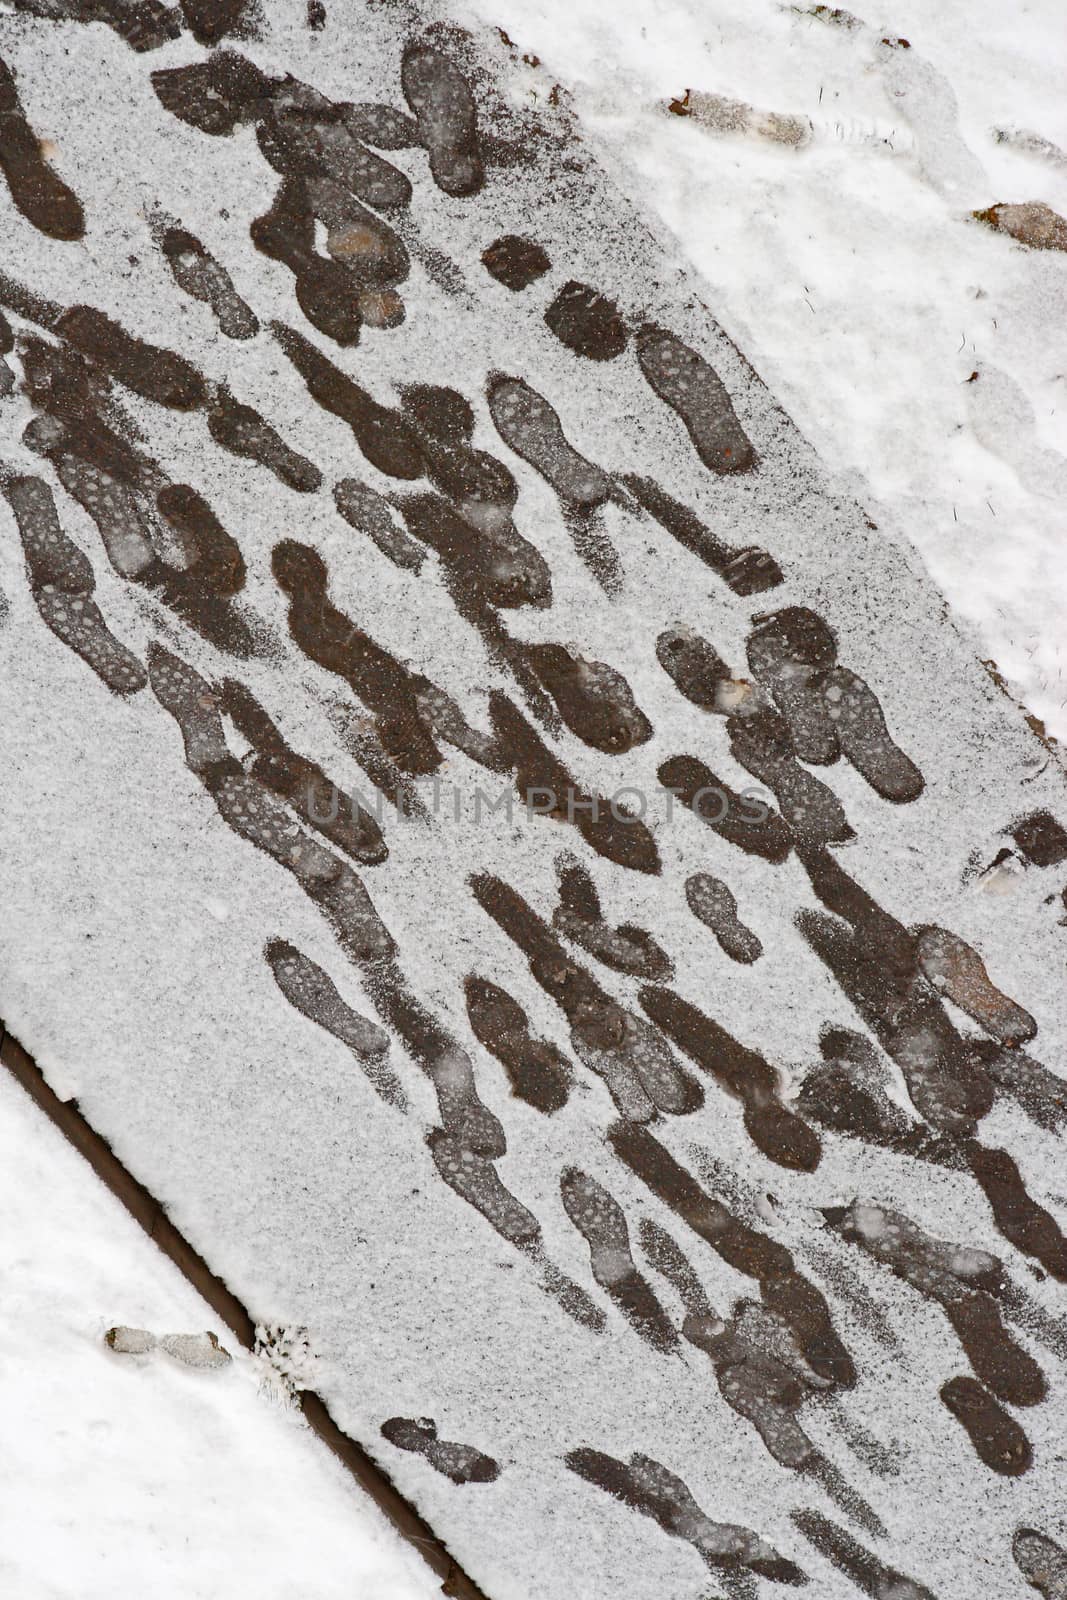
<point x="849" y="271"/>
<point x="126" y="1474"/>
<point x="131" y="948"/>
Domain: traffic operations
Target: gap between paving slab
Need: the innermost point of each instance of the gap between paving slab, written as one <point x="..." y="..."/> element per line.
<point x="153" y="1219"/>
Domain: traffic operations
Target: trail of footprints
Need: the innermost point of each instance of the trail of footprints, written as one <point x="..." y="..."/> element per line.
<point x="793" y="706"/>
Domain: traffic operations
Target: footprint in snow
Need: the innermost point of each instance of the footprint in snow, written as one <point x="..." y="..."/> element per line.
<point x="1003" y="421"/>
<point x="201" y="1350"/>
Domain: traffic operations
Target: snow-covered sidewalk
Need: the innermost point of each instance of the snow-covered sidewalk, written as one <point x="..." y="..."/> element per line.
<point x="192" y="979"/>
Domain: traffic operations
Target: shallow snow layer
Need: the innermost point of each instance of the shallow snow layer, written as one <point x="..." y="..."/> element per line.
<point x="133" y="904"/>
<point x="125" y="1471"/>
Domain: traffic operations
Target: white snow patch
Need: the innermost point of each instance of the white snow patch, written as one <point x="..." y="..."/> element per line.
<point x="849" y="271"/>
<point x="125" y="1475"/>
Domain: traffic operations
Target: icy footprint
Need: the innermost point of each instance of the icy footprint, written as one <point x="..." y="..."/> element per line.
<point x="671" y="1262"/>
<point x="461" y="1463"/>
<point x="830" y="711"/>
<point x="965" y="1282"/>
<point x="647" y="1486"/>
<point x="760" y="741"/>
<point x="547" y="789"/>
<point x="600" y="1220"/>
<point x="997" y="1438"/>
<point x="201" y="1350"/>
<point x="866" y="1571"/>
<point x="370" y="513"/>
<point x="788" y="651"/>
<point x="856" y="714"/>
<point x="627" y="948"/>
<point x="475" y="1179"/>
<point x="448" y="724"/>
<point x="1042" y="1562"/>
<point x="1034" y="144"/>
<point x="382" y="126"/>
<point x="62" y="584"/>
<point x="194" y="705"/>
<point x="712" y="901"/>
<point x="883" y="1460"/>
<point x="243" y="432"/>
<point x="313" y="993"/>
<point x="746" y="571"/>
<point x="112" y="504"/>
<point x="587" y="322"/>
<point x="445" y="117"/>
<point x="530" y="425"/>
<point x="594" y="700"/>
<point x="958" y="971"/>
<point x="631" y="1057"/>
<point x="40" y="194"/>
<point x="1003" y="420"/>
<point x="303" y="134"/>
<point x="326" y="292"/>
<point x="742" y="819"/>
<point x="516" y="262"/>
<point x="257" y="815"/>
<point x="1041" y="1094"/>
<point x="130" y="1341"/>
<point x="693" y="389"/>
<point x="300" y="782"/>
<point x="464" y="1115"/>
<point x="635" y="1062"/>
<point x="198" y="274"/>
<point x="762" y="1375"/>
<point x="771" y="1125"/>
<point x="537" y="1072"/>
